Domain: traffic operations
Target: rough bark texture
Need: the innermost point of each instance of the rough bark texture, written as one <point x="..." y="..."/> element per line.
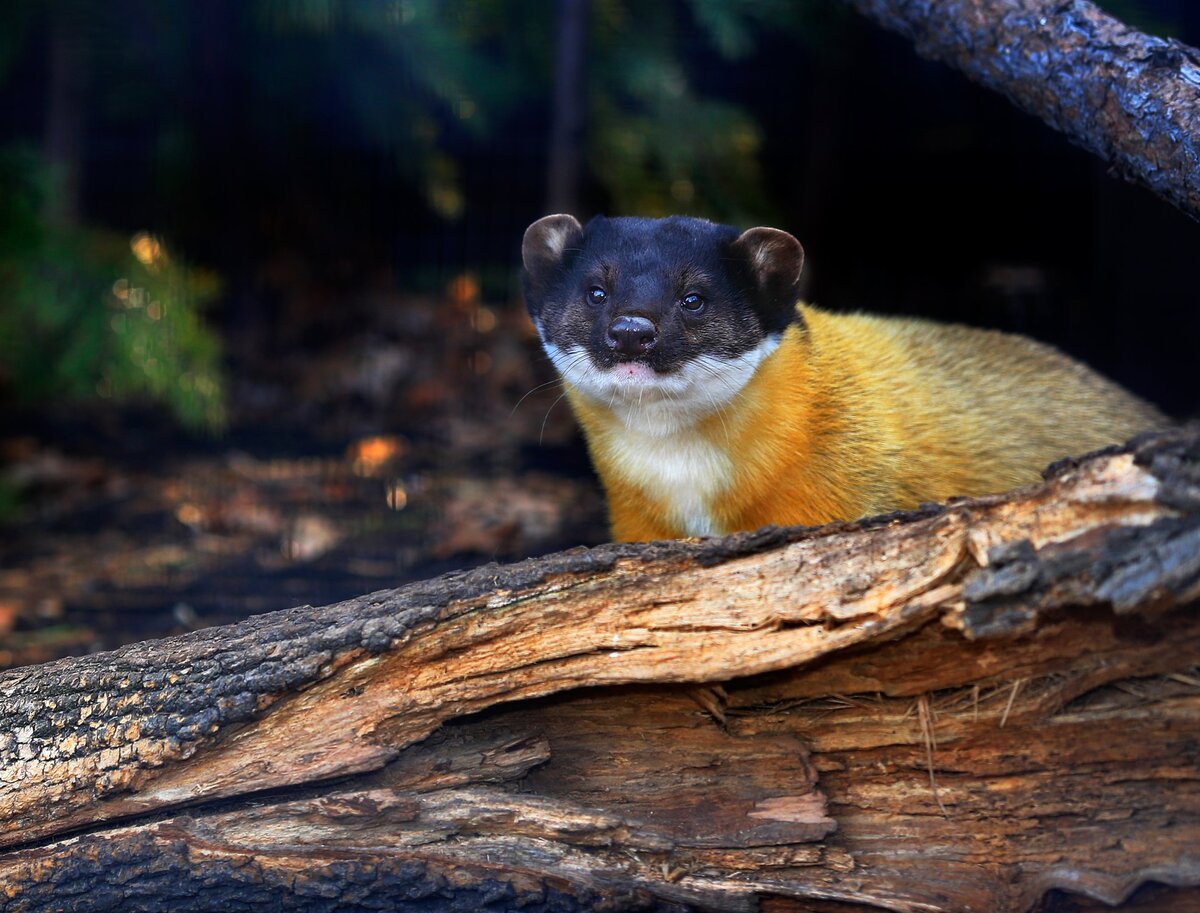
<point x="1131" y="98"/>
<point x="989" y="705"/>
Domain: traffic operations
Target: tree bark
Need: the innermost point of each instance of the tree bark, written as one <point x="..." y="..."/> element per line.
<point x="1131" y="98"/>
<point x="960" y="708"/>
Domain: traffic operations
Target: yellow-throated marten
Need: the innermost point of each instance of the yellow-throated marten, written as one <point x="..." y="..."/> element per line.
<point x="713" y="401"/>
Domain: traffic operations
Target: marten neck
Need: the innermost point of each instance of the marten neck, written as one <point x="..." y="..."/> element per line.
<point x="686" y="468"/>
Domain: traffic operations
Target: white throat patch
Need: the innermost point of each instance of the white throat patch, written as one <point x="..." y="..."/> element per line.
<point x="659" y="448"/>
<point x="664" y="404"/>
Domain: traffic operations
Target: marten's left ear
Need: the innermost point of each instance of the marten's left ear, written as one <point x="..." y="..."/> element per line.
<point x="546" y="240"/>
<point x="775" y="259"/>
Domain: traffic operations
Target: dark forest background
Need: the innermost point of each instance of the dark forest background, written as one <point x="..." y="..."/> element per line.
<point x="261" y="340"/>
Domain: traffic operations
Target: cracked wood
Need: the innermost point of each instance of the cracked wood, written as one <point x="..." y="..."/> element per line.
<point x="960" y="708"/>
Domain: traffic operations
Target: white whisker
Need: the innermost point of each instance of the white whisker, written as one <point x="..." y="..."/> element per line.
<point x="550" y="383"/>
<point x="542" y="433"/>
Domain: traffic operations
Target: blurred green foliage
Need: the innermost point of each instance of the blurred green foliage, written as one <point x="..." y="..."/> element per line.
<point x="659" y="145"/>
<point x="86" y="313"/>
<point x="427" y="63"/>
<point x="654" y="143"/>
<point x="419" y="81"/>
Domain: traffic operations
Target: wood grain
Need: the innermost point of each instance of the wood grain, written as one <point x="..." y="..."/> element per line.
<point x="976" y="706"/>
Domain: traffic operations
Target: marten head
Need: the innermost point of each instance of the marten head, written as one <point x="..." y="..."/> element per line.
<point x="664" y="320"/>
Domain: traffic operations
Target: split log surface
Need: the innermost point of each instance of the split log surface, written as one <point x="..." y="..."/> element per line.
<point x="969" y="707"/>
<point x="1131" y="98"/>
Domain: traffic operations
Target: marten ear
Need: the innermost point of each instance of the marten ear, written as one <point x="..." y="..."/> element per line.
<point x="546" y="240"/>
<point x="775" y="259"/>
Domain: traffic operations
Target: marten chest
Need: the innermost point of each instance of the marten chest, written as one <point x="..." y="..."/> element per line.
<point x="680" y="474"/>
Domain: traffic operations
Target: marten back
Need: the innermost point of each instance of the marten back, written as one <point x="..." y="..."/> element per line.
<point x="981" y="410"/>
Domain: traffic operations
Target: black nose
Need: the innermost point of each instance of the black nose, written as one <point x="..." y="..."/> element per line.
<point x="632" y="336"/>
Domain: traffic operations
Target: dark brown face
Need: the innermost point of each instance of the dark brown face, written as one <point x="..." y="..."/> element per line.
<point x="659" y="294"/>
<point x="662" y="321"/>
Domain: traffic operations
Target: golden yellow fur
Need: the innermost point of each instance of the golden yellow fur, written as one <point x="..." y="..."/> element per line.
<point x="856" y="415"/>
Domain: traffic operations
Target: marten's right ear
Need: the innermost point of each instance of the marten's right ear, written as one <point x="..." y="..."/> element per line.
<point x="775" y="259"/>
<point x="546" y="240"/>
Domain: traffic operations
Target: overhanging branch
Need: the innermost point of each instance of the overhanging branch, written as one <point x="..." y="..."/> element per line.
<point x="1131" y="98"/>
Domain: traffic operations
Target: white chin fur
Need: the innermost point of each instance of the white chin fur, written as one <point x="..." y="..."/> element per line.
<point x="665" y="403"/>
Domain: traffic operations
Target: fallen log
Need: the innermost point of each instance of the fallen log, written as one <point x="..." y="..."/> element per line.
<point x="975" y="706"/>
<point x="1131" y="98"/>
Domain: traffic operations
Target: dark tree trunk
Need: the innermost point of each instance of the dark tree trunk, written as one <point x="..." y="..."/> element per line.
<point x="570" y="106"/>
<point x="1133" y="99"/>
<point x="63" y="135"/>
<point x="963" y="708"/>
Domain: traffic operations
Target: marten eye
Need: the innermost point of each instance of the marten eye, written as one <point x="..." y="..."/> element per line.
<point x="597" y="295"/>
<point x="693" y="303"/>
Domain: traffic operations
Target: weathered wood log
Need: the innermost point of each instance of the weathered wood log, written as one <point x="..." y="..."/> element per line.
<point x="960" y="708"/>
<point x="1131" y="98"/>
